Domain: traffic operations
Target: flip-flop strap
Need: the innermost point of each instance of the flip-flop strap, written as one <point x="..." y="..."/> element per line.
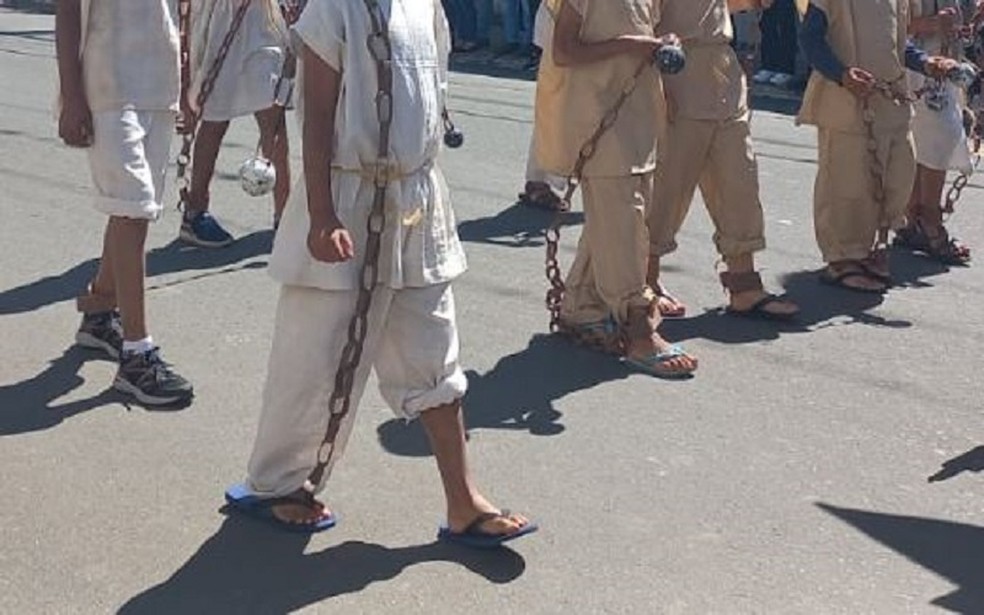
<point x="475" y="527"/>
<point x="767" y="300"/>
<point x="674" y="352"/>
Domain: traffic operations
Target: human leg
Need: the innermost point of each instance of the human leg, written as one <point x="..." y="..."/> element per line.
<point x="198" y="227"/>
<point x="688" y="145"/>
<point x="128" y="161"/>
<point x="730" y="187"/>
<point x="618" y="245"/>
<point x="846" y="218"/>
<point x="419" y="376"/>
<point x="310" y="332"/>
<point x="274" y="145"/>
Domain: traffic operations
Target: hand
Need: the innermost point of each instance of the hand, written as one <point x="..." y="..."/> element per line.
<point x="75" y="121"/>
<point x="641" y="45"/>
<point x="187" y="121"/>
<point x="668" y="40"/>
<point x="938" y="67"/>
<point x="858" y="82"/>
<point x="330" y="243"/>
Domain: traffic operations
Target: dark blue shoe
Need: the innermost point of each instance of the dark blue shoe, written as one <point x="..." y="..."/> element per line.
<point x="204" y="231"/>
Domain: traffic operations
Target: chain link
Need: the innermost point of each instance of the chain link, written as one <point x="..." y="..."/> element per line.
<point x="876" y="168"/>
<point x="555" y="294"/>
<point x="188" y="123"/>
<point x="340" y="402"/>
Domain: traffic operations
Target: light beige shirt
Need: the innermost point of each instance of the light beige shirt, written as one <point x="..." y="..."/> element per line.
<point x="420" y="242"/>
<point x="253" y="63"/>
<point x="130" y="54"/>
<point x="571" y="101"/>
<point x="712" y="86"/>
<point x="869" y="34"/>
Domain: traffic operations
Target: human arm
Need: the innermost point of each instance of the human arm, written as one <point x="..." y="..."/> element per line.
<point x="328" y="240"/>
<point x="570" y="50"/>
<point x="75" y="119"/>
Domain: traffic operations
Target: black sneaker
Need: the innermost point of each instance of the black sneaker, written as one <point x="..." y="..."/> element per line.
<point x="152" y="381"/>
<point x="101" y="331"/>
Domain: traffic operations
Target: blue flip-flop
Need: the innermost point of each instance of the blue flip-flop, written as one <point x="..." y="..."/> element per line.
<point x="473" y="536"/>
<point x="651" y="364"/>
<point x="241" y="499"/>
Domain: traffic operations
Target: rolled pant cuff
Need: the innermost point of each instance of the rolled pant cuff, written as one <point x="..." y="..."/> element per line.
<point x="740" y="248"/>
<point x="449" y="390"/>
<point x="119" y="208"/>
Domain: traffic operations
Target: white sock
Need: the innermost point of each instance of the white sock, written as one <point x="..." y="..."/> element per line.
<point x="139" y="346"/>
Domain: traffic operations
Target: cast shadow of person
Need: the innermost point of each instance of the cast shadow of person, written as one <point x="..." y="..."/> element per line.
<point x="821" y="306"/>
<point x="517" y="226"/>
<point x="971" y="461"/>
<point x="29" y="405"/>
<point x="950" y="550"/>
<point x="250" y="568"/>
<point x="172" y="258"/>
<point x="517" y="394"/>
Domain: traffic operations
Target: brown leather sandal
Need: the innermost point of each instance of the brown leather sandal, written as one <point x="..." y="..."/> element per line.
<point x="752" y="282"/>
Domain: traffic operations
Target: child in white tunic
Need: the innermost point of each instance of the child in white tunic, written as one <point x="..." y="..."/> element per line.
<point x="412" y="336"/>
<point x="246" y="85"/>
<point x="941" y="143"/>
<point x="118" y="69"/>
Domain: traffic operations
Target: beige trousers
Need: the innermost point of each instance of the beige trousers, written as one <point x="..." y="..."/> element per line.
<point x="609" y="272"/>
<point x="846" y="216"/>
<point x="718" y="157"/>
<point x="412" y="344"/>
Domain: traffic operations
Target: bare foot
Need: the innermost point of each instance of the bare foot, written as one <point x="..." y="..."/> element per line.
<point x="460" y="517"/>
<point x="643" y="349"/>
<point x="746" y="301"/>
<point x="300" y="508"/>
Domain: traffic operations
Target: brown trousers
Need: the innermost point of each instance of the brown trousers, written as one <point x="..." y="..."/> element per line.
<point x="846" y="216"/>
<point x="718" y="157"/>
<point x="608" y="276"/>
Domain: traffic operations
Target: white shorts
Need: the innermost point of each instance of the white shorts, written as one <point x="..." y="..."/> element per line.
<point x="128" y="159"/>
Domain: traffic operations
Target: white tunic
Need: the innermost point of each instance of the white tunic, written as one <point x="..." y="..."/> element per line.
<point x="250" y="72"/>
<point x="420" y="244"/>
<point x="129" y="54"/>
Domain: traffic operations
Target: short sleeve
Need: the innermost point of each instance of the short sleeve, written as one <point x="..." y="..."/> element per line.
<point x="321" y="28"/>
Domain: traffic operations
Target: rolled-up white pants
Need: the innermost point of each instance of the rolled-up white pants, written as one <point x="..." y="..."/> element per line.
<point x="412" y="343"/>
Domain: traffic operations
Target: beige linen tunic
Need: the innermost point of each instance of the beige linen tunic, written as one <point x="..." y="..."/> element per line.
<point x="129" y="54"/>
<point x="252" y="68"/>
<point x="712" y="86"/>
<point x="420" y="242"/>
<point x="571" y="102"/>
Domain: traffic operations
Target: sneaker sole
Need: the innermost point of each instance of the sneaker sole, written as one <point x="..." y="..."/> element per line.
<point x="151" y="400"/>
<point x="191" y="238"/>
<point x="87" y="340"/>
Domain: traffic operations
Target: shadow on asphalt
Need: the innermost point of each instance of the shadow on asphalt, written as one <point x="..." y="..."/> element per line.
<point x="950" y="550"/>
<point x="30" y="405"/>
<point x="971" y="461"/>
<point x="247" y="567"/>
<point x="517" y="226"/>
<point x="172" y="258"/>
<point x="517" y="394"/>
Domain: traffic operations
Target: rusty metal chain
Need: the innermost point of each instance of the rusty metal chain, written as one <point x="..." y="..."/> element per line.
<point x="954" y="193"/>
<point x="876" y="169"/>
<point x="340" y="402"/>
<point x="555" y="294"/>
<point x="189" y="119"/>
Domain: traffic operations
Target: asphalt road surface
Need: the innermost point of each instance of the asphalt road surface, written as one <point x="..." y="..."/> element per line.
<point x="790" y="476"/>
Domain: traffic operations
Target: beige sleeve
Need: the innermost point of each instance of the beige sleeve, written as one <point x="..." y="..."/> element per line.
<point x="581" y="6"/>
